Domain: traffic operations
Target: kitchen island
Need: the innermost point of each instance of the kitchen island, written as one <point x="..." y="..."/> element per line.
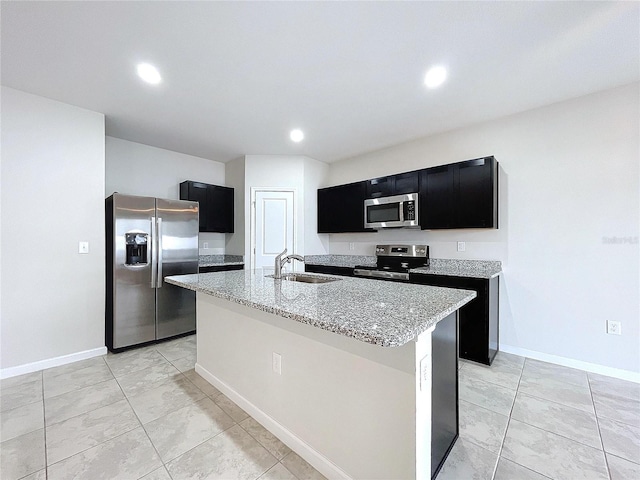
<point x="340" y="371"/>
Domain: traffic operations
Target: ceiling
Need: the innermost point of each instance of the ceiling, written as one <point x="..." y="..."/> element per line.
<point x="238" y="76"/>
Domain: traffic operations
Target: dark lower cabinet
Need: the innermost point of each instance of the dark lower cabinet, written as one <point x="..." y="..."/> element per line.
<point x="220" y="268"/>
<point x="444" y="391"/>
<point x="478" y="319"/>
<point x="341" y="208"/>
<point x="216" y="205"/>
<point x="330" y="270"/>
<point x="460" y="195"/>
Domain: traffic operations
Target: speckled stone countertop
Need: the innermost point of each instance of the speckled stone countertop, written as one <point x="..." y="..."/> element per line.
<point x="349" y="261"/>
<point x="387" y="314"/>
<point x="461" y="268"/>
<point x="214" y="260"/>
<point x="437" y="266"/>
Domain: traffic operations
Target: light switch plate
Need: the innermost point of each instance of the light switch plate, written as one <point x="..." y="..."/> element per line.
<point x="83" y="247"/>
<point x="461" y="246"/>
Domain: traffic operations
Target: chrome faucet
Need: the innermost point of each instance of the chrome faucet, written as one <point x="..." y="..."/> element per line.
<point x="280" y="261"/>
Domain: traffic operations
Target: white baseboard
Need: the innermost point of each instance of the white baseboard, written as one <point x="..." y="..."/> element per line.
<point x="569" y="362"/>
<point x="316" y="459"/>
<point x="51" y="362"/>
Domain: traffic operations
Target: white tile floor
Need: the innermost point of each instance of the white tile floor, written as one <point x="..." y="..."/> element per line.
<point x="146" y="414"/>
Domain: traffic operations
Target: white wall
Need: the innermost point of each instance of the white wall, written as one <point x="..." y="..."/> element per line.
<point x="569" y="180"/>
<point x="137" y="169"/>
<point x="315" y="173"/>
<point x="304" y="175"/>
<point x="234" y="174"/>
<point x="327" y="403"/>
<point x="53" y="174"/>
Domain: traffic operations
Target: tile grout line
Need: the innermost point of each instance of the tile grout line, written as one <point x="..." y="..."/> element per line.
<point x="164" y="464"/>
<point x="44" y="421"/>
<point x="84" y="413"/>
<point x="278" y="461"/>
<point x="604" y="453"/>
<point x="526" y="394"/>
<point x="504" y="436"/>
<point x="140" y="423"/>
<point x="262" y="445"/>
<point x="554" y="433"/>
<point x="101" y="443"/>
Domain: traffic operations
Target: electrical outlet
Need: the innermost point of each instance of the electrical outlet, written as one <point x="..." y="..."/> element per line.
<point x="614" y="328"/>
<point x="205" y="245"/>
<point x="425" y="373"/>
<point x="276" y="363"/>
<point x="83" y="247"/>
<point x="461" y="246"/>
<point x="352" y="246"/>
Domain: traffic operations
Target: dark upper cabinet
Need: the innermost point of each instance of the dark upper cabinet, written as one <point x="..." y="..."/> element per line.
<point x="216" y="205"/>
<point x="380" y="187"/>
<point x="476" y="192"/>
<point x="341" y="208"/>
<point x="406" y="183"/>
<point x="460" y="195"/>
<point x="436" y="197"/>
<point x="393" y="185"/>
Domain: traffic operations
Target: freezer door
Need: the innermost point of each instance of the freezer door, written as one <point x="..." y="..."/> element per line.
<point x="132" y="290"/>
<point x="177" y="226"/>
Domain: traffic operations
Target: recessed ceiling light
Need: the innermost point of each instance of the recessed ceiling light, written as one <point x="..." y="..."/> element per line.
<point x="149" y="73"/>
<point x="296" y="135"/>
<point x="435" y="76"/>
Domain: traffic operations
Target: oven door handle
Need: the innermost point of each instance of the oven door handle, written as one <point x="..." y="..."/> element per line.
<point x="381" y="275"/>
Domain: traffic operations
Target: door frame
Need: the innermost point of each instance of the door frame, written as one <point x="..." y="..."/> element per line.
<point x="254" y="190"/>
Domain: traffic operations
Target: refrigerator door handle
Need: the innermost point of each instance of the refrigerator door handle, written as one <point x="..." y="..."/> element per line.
<point x="159" y="239"/>
<point x="152" y="252"/>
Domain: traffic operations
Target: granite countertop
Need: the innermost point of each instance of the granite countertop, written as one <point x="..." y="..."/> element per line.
<point x="349" y="261"/>
<point x="215" y="260"/>
<point x="437" y="266"/>
<point x="461" y="268"/>
<point x="387" y="314"/>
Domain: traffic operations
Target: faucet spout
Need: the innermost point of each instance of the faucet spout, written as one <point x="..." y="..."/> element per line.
<point x="280" y="262"/>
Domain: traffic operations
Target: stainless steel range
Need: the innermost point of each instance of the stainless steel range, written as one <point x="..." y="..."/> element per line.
<point x="395" y="261"/>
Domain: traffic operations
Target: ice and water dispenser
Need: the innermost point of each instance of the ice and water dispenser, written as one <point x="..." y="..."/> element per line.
<point x="137" y="248"/>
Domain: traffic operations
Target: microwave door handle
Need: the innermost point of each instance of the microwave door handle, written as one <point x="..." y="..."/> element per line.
<point x="402" y="206"/>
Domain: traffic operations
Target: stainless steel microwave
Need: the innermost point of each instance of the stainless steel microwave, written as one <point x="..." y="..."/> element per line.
<point x="395" y="211"/>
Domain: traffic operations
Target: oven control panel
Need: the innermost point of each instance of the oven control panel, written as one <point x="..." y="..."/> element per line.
<point x="402" y="250"/>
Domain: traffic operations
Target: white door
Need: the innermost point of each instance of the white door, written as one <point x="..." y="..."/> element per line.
<point x="274" y="228"/>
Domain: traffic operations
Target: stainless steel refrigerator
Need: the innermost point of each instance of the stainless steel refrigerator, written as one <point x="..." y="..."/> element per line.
<point x="148" y="239"/>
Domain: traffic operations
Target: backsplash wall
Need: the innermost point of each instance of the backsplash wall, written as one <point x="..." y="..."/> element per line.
<point x="569" y="180"/>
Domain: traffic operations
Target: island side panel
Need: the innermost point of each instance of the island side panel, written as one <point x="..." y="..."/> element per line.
<point x="349" y="415"/>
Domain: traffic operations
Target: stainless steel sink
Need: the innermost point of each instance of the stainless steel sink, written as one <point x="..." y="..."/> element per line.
<point x="300" y="277"/>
